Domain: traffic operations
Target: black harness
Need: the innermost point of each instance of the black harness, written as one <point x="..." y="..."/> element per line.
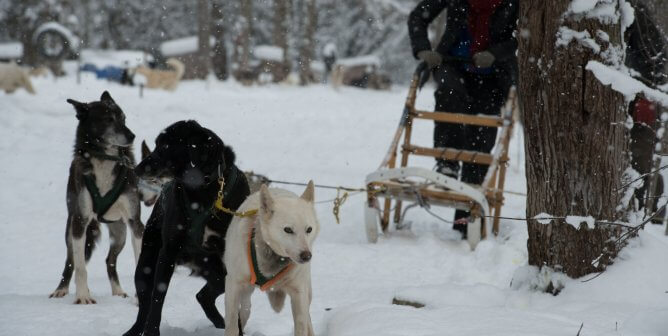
<point x="196" y="216"/>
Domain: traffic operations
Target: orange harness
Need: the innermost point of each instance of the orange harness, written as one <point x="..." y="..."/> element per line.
<point x="256" y="277"/>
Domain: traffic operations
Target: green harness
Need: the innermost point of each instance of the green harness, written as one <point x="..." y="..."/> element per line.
<point x="102" y="204"/>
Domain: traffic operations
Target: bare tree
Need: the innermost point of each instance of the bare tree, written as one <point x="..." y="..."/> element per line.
<point x="575" y="137"/>
<point x="203" y="35"/>
<point x="219" y="58"/>
<point x="244" y="43"/>
<point x="307" y="49"/>
<point x="281" y="27"/>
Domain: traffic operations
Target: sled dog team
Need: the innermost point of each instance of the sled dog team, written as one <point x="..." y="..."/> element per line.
<point x="204" y="217"/>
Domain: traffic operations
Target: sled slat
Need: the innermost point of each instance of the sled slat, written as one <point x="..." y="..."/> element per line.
<point x="452" y="154"/>
<point x="459" y="118"/>
<point x="404" y="191"/>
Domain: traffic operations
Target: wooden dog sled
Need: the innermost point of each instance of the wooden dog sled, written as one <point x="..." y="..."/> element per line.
<point x="426" y="187"/>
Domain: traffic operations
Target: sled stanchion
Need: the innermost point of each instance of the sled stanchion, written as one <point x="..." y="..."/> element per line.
<point x="503" y="161"/>
<point x="399" y="184"/>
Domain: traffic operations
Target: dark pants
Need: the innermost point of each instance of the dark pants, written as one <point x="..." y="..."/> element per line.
<point x="643" y="140"/>
<point x="463" y="92"/>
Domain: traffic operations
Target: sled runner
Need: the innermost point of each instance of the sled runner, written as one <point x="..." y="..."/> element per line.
<point x="424" y="187"/>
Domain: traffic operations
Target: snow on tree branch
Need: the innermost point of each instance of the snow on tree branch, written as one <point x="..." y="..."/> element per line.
<point x="625" y="84"/>
<point x="605" y="11"/>
<point x="565" y="35"/>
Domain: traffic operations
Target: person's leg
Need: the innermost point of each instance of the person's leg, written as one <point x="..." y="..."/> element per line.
<point x="488" y="100"/>
<point x="451" y="96"/>
<point x="642" y="148"/>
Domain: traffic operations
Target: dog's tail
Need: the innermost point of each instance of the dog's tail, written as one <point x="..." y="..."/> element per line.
<point x="178" y="66"/>
<point x="92" y="236"/>
<point x="27" y="83"/>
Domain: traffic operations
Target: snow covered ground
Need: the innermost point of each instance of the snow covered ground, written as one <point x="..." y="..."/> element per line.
<point x="295" y="134"/>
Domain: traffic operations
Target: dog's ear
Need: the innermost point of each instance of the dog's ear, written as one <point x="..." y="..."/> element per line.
<point x="81" y="108"/>
<point x="266" y="204"/>
<point x="145" y="151"/>
<point x="308" y="194"/>
<point x="229" y="155"/>
<point x="106" y="97"/>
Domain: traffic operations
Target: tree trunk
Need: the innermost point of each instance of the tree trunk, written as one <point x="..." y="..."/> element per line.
<point x="244" y="38"/>
<point x="575" y="140"/>
<point x="280" y="32"/>
<point x="219" y="60"/>
<point x="203" y="35"/>
<point x="307" y="51"/>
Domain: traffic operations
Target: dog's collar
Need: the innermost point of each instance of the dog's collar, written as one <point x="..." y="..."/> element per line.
<point x="101" y="155"/>
<point x="231" y="180"/>
<point x="256" y="276"/>
<point x="225" y="189"/>
<point x="218" y="174"/>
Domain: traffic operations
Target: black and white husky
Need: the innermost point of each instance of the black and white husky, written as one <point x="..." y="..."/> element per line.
<point x="102" y="187"/>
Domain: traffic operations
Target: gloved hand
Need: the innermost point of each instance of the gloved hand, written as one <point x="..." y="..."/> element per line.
<point x="432" y="58"/>
<point x="483" y="59"/>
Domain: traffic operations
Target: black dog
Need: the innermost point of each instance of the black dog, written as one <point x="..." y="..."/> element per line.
<point x="102" y="187"/>
<point x="192" y="158"/>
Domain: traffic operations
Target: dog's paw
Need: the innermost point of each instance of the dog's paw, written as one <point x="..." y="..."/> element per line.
<point x="58" y="293"/>
<point x="121" y="294"/>
<point x="218" y="323"/>
<point x="84" y="299"/>
<point x="133" y="332"/>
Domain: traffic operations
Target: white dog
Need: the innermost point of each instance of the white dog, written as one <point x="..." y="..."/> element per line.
<point x="161" y="79"/>
<point x="13" y="77"/>
<point x="271" y="250"/>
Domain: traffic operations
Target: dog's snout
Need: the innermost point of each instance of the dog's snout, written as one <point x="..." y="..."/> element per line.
<point x="305" y="256"/>
<point x="129" y="135"/>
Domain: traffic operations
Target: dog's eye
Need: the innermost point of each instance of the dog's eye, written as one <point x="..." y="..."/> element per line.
<point x="288" y="230"/>
<point x="309" y="230"/>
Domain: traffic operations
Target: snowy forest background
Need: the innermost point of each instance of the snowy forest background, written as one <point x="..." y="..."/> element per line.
<point x="335" y="136"/>
<point x="370" y="27"/>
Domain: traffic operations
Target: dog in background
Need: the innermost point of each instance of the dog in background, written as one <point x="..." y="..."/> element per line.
<point x="102" y="188"/>
<point x="160" y="79"/>
<point x="189" y="161"/>
<point x="360" y="75"/>
<point x="272" y="251"/>
<point x="40" y="71"/>
<point x="13" y="77"/>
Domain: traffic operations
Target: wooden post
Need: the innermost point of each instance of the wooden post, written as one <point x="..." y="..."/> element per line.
<point x="79" y="69"/>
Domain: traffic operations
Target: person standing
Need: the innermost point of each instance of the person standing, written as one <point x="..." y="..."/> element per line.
<point x="646" y="55"/>
<point x="474" y="65"/>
